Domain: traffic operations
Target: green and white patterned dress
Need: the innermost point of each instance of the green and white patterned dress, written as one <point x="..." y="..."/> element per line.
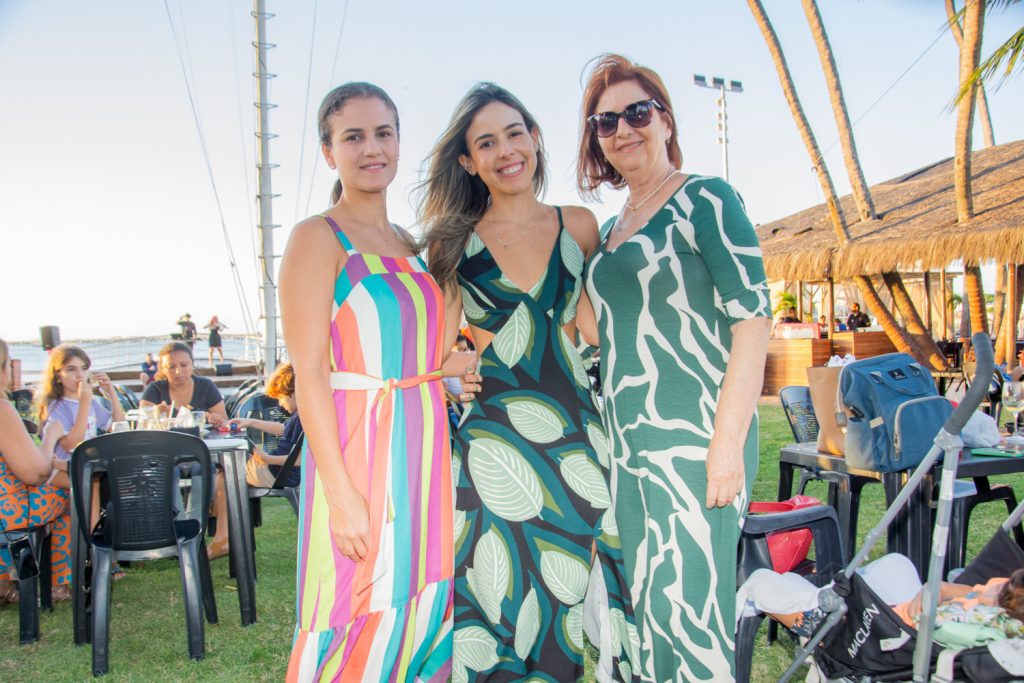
<point x="532" y="498"/>
<point x="665" y="300"/>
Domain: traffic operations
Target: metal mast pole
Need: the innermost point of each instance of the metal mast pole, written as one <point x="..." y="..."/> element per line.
<point x="721" y="85"/>
<point x="265" y="220"/>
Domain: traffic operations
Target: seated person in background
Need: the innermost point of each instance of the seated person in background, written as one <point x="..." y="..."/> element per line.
<point x="262" y="467"/>
<point x="149" y="370"/>
<point x="1018" y="372"/>
<point x="839" y="325"/>
<point x="790" y="316"/>
<point x="823" y="327"/>
<point x="177" y="385"/>
<point x="792" y="600"/>
<point x="857" y="318"/>
<point x="67" y="387"/>
<point x="27" y="495"/>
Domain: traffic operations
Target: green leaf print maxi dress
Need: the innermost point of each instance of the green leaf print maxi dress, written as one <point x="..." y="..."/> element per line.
<point x="532" y="497"/>
<point x="665" y="300"/>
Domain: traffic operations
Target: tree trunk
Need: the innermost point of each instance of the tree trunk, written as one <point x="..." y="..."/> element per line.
<point x="861" y="194"/>
<point x="983" y="113"/>
<point x="912" y="321"/>
<point x="900" y="339"/>
<point x="974" y="292"/>
<point x="897" y="335"/>
<point x="771" y="39"/>
<point x="970" y="53"/>
<point x="1000" y="304"/>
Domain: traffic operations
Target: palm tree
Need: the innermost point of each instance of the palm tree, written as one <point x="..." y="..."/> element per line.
<point x="983" y="113"/>
<point x="1008" y="54"/>
<point x="861" y="193"/>
<point x="970" y="53"/>
<point x="900" y="339"/>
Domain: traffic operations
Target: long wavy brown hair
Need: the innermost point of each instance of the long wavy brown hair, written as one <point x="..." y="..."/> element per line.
<point x="49" y="388"/>
<point x="453" y="200"/>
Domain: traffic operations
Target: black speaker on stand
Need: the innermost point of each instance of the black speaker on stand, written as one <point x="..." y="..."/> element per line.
<point x="49" y="335"/>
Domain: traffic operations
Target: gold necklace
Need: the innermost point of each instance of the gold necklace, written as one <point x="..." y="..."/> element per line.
<point x="634" y="207"/>
<point x="517" y="240"/>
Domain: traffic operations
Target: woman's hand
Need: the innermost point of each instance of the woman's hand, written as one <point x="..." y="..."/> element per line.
<point x="102" y="380"/>
<point x="236" y="423"/>
<point x="350" y="525"/>
<point x="472" y="384"/>
<point x="214" y="419"/>
<point x="725" y="474"/>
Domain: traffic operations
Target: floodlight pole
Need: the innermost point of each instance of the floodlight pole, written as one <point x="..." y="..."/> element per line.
<point x="722" y="86"/>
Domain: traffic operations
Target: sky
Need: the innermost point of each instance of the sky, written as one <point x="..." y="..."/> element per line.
<point x="110" y="224"/>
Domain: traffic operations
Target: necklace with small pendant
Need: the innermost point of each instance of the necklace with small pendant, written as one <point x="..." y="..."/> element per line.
<point x="634" y="207"/>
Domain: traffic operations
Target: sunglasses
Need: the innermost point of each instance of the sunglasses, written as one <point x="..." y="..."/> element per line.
<point x="637" y="115"/>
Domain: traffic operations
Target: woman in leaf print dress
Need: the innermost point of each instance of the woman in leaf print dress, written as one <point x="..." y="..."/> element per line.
<point x="532" y="500"/>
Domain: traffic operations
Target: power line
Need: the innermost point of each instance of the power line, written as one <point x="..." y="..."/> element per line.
<point x="305" y="114"/>
<point x="239" y="290"/>
<point x="334" y="66"/>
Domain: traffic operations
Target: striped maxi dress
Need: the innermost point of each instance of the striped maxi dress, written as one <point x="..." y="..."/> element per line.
<point x="389" y="617"/>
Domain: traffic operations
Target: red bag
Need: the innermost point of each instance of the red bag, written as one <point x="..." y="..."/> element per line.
<point x="787" y="548"/>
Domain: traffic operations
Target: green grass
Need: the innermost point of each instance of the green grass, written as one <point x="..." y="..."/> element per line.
<point x="147" y="639"/>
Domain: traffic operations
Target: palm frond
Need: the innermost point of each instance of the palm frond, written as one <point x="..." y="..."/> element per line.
<point x="1009" y="53"/>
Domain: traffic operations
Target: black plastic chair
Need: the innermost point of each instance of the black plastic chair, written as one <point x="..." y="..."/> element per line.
<point x="30" y="554"/>
<point x="280" y="489"/>
<point x="843" y="490"/>
<point x="140" y="522"/>
<point x="753" y="555"/>
<point x="244" y="391"/>
<point x="259" y="406"/>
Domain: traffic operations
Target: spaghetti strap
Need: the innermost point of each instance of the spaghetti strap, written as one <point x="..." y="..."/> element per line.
<point x="561" y="225"/>
<point x="341" y="234"/>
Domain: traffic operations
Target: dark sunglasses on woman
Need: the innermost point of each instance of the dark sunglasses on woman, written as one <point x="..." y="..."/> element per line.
<point x="637" y="115"/>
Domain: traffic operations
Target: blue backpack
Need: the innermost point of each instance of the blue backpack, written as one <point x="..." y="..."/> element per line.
<point x="894" y="412"/>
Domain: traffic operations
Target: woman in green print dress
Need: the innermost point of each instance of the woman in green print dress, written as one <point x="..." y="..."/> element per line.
<point x="682" y="315"/>
<point x="533" y="528"/>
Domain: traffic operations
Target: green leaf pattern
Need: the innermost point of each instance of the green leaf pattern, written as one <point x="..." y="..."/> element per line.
<point x="507" y="484"/>
<point x="584" y="477"/>
<point x="489" y="576"/>
<point x="527" y="624"/>
<point x="512" y="339"/>
<point x="474" y="246"/>
<point x="564" y="575"/>
<point x="535" y="420"/>
<point x="597" y="438"/>
<point x="474" y="648"/>
<point x="574" y="626"/>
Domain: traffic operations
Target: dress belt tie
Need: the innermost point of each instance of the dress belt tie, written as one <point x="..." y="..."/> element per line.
<point x="354" y="381"/>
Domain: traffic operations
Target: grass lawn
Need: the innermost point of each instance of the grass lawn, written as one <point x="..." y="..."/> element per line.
<point x="147" y="635"/>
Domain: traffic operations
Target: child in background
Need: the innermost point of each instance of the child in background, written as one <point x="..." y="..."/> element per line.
<point x="65" y="386"/>
<point x="263" y="468"/>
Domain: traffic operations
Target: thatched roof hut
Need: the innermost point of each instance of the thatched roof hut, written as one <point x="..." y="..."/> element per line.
<point x="916" y="228"/>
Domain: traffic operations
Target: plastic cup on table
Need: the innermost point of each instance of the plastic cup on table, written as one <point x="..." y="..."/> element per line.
<point x="116" y="427"/>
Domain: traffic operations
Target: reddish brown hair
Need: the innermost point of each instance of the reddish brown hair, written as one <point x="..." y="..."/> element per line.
<point x="282" y="382"/>
<point x="592" y="169"/>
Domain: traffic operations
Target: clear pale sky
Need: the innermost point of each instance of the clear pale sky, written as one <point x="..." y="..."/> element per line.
<point x="108" y="223"/>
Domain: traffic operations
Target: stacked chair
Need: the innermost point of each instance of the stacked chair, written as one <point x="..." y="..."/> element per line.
<point x="30" y="552"/>
<point x="140" y="522"/>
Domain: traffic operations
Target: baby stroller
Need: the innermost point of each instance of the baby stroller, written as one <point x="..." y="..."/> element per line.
<point x="863" y="638"/>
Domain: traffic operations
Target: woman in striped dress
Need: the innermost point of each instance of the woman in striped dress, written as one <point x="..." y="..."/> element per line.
<point x="364" y="323"/>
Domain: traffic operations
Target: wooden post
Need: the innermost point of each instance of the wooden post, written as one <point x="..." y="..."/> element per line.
<point x="830" y="312"/>
<point x="945" y="306"/>
<point x="800" y="299"/>
<point x="928" y="302"/>
<point x="1011" y="315"/>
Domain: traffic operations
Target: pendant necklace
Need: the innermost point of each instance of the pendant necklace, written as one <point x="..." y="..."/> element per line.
<point x="634" y="207"/>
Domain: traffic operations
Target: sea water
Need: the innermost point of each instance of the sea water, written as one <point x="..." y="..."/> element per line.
<point x="125" y="353"/>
